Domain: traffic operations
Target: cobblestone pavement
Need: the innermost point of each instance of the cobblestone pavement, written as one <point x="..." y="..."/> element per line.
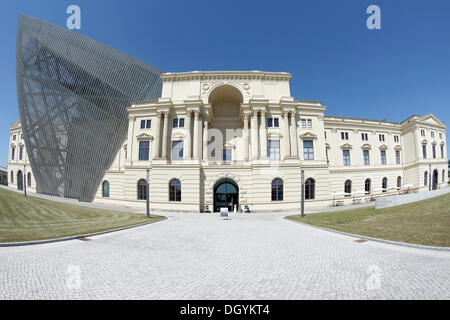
<point x="199" y="256"/>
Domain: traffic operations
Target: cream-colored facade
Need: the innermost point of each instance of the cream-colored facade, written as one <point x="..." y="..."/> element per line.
<point x="269" y="138"/>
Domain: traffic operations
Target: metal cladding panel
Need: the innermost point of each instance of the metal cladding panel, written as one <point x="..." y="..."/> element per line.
<point x="73" y="93"/>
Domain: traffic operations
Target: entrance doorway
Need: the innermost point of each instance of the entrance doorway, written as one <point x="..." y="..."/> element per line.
<point x="226" y="195"/>
<point x="435" y="179"/>
<point x="19" y="180"/>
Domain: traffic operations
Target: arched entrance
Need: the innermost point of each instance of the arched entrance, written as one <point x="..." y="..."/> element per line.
<point x="19" y="180"/>
<point x="226" y="195"/>
<point x="435" y="179"/>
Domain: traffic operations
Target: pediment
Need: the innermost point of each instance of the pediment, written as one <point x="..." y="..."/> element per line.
<point x="366" y="146"/>
<point x="144" y="136"/>
<point x="308" y="135"/>
<point x="346" y="146"/>
<point x="432" y="119"/>
<point x="383" y="147"/>
<point x="424" y="141"/>
<point x="398" y="147"/>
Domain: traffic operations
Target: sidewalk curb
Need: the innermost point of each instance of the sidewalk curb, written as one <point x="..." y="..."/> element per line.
<point x="397" y="243"/>
<point x="30" y="243"/>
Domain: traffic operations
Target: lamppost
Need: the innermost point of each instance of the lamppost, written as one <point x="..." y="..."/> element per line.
<point x="24" y="180"/>
<point x="303" y="195"/>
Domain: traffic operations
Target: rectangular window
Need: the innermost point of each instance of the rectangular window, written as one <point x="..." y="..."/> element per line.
<point x="440" y="135"/>
<point x="344" y="135"/>
<point x="434" y="151"/>
<point x="308" y="150"/>
<point x="175" y="123"/>
<point x="144" y="150"/>
<point x="432" y="134"/>
<point x="383" y="156"/>
<point x="274" y="149"/>
<point x="21" y="136"/>
<point x="325" y="133"/>
<point x="269" y="122"/>
<point x="424" y="151"/>
<point x="149" y="124"/>
<point x="309" y="123"/>
<point x="276" y="123"/>
<point x="20" y="153"/>
<point x="13" y="152"/>
<point x="14" y="137"/>
<point x="364" y="136"/>
<point x="422" y="133"/>
<point x="182" y="123"/>
<point x="396" y="139"/>
<point x="303" y="123"/>
<point x="381" y="137"/>
<point x="366" y="157"/>
<point x="142" y="124"/>
<point x="346" y="154"/>
<point x="226" y="155"/>
<point x="397" y="157"/>
<point x="177" y="150"/>
<point x="442" y="151"/>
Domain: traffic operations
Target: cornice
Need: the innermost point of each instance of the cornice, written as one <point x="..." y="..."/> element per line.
<point x="226" y="75"/>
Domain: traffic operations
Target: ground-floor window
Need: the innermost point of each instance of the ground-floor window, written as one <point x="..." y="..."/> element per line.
<point x="310" y="189"/>
<point x="277" y="189"/>
<point x="175" y="190"/>
<point x="12" y="176"/>
<point x="367" y="186"/>
<point x="105" y="189"/>
<point x="348" y="187"/>
<point x="384" y="184"/>
<point x="142" y="189"/>
<point x="399" y="182"/>
<point x="425" y="178"/>
<point x="29" y="179"/>
<point x="443" y="175"/>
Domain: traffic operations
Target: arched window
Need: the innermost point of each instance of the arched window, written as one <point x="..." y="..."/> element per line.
<point x="277" y="189"/>
<point x="175" y="190"/>
<point x="399" y="182"/>
<point x="348" y="187"/>
<point x="367" y="186"/>
<point x="310" y="185"/>
<point x="12" y="176"/>
<point x="425" y="178"/>
<point x="384" y="184"/>
<point x="29" y="179"/>
<point x="142" y="189"/>
<point x="105" y="189"/>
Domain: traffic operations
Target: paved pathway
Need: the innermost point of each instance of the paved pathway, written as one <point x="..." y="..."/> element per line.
<point x="199" y="256"/>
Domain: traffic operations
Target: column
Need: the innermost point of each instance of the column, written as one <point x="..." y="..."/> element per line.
<point x="294" y="138"/>
<point x="196" y="134"/>
<point x="188" y="139"/>
<point x="254" y="135"/>
<point x="286" y="140"/>
<point x="156" y="144"/>
<point x="245" y="135"/>
<point x="165" y="131"/>
<point x="205" y="137"/>
<point x="263" y="135"/>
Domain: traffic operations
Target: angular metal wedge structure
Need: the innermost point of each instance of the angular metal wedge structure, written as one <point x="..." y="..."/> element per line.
<point x="73" y="93"/>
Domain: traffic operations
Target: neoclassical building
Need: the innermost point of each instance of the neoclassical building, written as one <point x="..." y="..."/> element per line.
<point x="238" y="138"/>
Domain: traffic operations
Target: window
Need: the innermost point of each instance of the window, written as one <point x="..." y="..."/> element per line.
<point x="226" y="155"/>
<point x="442" y="151"/>
<point x="175" y="123"/>
<point x="422" y="133"/>
<point x="276" y="123"/>
<point x="396" y="139"/>
<point x="277" y="189"/>
<point x="383" y="156"/>
<point x="424" y="150"/>
<point x="142" y="124"/>
<point x="366" y="157"/>
<point x="177" y="150"/>
<point x="14" y="137"/>
<point x="440" y="135"/>
<point x="105" y="189"/>
<point x="175" y="190"/>
<point x="142" y="189"/>
<point x="182" y="123"/>
<point x="348" y="187"/>
<point x="29" y="179"/>
<point x="178" y="123"/>
<point x="381" y="137"/>
<point x="397" y="157"/>
<point x="149" y="124"/>
<point x="433" y="148"/>
<point x="367" y="186"/>
<point x="443" y="175"/>
<point x="346" y="154"/>
<point x="20" y="153"/>
<point x="144" y="150"/>
<point x="308" y="150"/>
<point x="399" y="182"/>
<point x="364" y="136"/>
<point x="425" y="178"/>
<point x="274" y="149"/>
<point x="309" y="189"/>
<point x="344" y="135"/>
<point x="273" y="122"/>
<point x="325" y="133"/>
<point x="21" y="136"/>
<point x="303" y="123"/>
<point x="432" y="134"/>
<point x="270" y="122"/>
<point x="13" y="152"/>
<point x="12" y="176"/>
<point x="384" y="184"/>
<point x="309" y="123"/>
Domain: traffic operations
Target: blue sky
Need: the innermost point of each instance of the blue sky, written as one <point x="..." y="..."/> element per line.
<point x="392" y="73"/>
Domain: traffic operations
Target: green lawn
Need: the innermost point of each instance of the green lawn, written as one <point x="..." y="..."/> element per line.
<point x="425" y="222"/>
<point x="26" y="219"/>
